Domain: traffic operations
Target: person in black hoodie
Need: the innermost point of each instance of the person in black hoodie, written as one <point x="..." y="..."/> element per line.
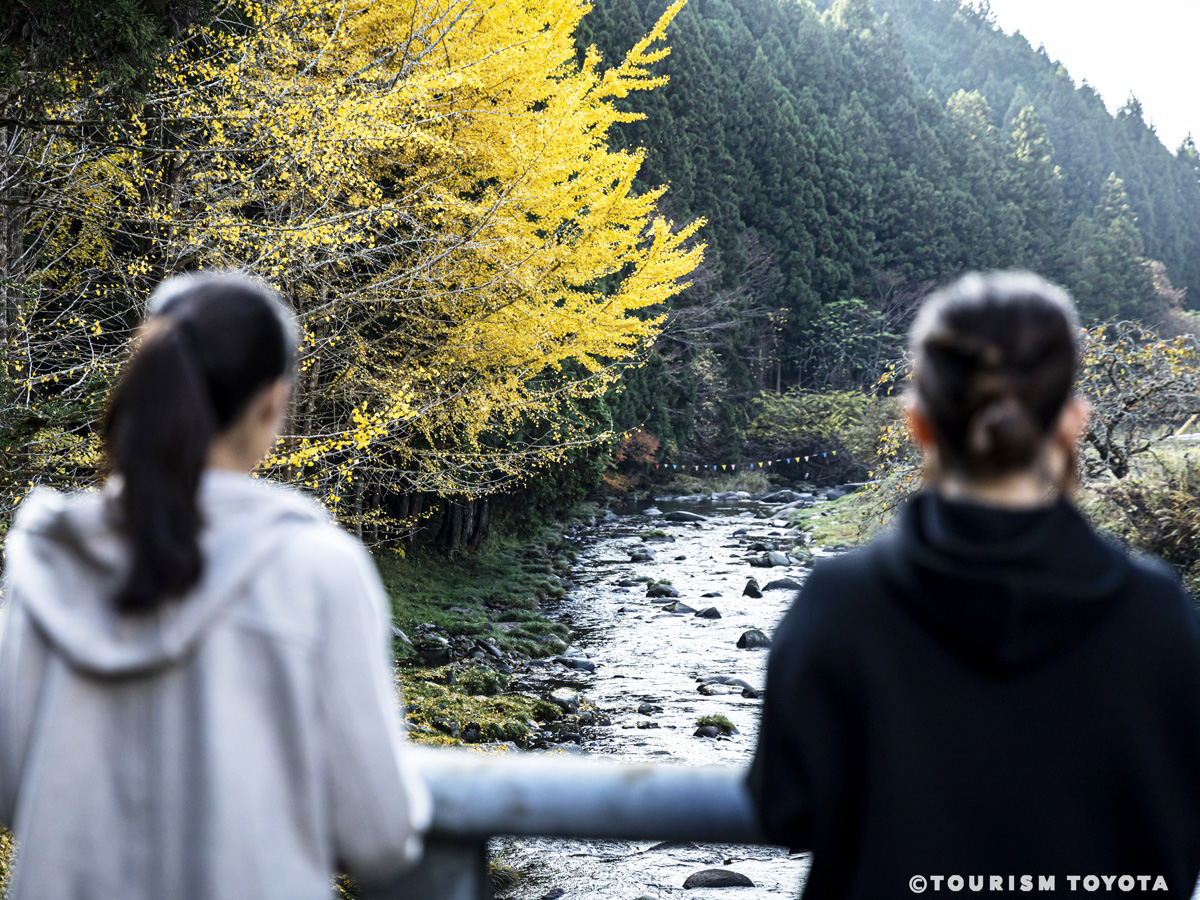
<point x="989" y="697"/>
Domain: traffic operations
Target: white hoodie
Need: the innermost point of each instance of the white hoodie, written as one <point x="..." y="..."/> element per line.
<point x="241" y="742"/>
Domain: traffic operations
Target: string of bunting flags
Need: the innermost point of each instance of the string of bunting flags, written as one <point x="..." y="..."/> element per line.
<point x="732" y="467"/>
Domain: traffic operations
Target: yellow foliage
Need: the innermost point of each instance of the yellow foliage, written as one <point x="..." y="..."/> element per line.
<point x="429" y="181"/>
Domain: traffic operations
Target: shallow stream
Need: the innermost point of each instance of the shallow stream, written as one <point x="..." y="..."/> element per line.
<point x="646" y="655"/>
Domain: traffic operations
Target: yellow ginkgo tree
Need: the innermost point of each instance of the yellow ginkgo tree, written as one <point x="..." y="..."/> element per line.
<point x="430" y="183"/>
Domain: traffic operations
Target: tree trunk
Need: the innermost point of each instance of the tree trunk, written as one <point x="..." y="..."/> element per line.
<point x="483" y="525"/>
<point x="358" y="508"/>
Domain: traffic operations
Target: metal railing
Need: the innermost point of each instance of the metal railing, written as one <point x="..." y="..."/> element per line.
<point x="477" y="796"/>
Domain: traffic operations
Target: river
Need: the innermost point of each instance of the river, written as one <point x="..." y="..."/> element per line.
<point x="651" y="658"/>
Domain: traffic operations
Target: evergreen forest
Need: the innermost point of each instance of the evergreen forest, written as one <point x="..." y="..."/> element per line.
<point x="849" y="155"/>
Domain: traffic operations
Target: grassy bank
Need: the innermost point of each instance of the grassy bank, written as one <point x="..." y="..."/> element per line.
<point x="473" y="594"/>
<point x="844" y="522"/>
<point x="453" y="609"/>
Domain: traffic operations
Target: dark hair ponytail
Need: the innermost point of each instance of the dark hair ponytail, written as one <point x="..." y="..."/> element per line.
<point x="995" y="361"/>
<point x="210" y="343"/>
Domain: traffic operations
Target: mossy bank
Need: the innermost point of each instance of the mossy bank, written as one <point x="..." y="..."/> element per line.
<point x="468" y="630"/>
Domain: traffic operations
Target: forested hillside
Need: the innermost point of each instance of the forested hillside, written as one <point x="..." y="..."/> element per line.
<point x="846" y="158"/>
<point x="567" y="240"/>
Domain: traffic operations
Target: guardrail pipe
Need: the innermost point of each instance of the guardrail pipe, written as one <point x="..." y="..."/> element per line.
<point x="477" y="796"/>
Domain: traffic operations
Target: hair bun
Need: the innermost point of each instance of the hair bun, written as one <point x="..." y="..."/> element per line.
<point x="1003" y="434"/>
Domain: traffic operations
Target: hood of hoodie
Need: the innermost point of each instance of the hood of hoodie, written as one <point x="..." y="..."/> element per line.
<point x="1007" y="590"/>
<point x="71" y="560"/>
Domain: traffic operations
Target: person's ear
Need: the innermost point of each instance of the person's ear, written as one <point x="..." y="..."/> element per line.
<point x="919" y="426"/>
<point x="274" y="401"/>
<point x="1073" y="421"/>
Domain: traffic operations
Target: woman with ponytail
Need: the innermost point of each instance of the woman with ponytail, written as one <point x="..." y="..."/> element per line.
<point x="990" y="696"/>
<point x="196" y="698"/>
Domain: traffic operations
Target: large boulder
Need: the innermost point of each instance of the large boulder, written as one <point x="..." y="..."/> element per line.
<point x="717" y="878"/>
<point x="775" y="558"/>
<point x="709" y="612"/>
<point x="752" y="589"/>
<point x="753" y="640"/>
<point x="681" y="516"/>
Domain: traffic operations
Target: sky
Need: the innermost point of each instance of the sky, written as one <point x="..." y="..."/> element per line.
<point x="1147" y="47"/>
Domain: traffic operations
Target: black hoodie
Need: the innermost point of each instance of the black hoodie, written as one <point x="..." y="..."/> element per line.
<point x="979" y="695"/>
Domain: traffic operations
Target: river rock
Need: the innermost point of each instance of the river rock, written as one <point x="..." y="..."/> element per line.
<point x="652" y="511"/>
<point x="564" y="697"/>
<point x="489" y="648"/>
<point x="760" y="562"/>
<point x="576" y="662"/>
<point x="661" y="590"/>
<point x="775" y="558"/>
<point x="680" y="515"/>
<point x="433" y="650"/>
<point x="708" y="731"/>
<point x="709" y="612"/>
<point x="711" y="594"/>
<point x="727" y="680"/>
<point x="678" y="608"/>
<point x="753" y="640"/>
<point x="836" y="493"/>
<point x="648" y="709"/>
<point x="784" y="496"/>
<point x="741" y="532"/>
<point x="641" y="554"/>
<point x="628" y="583"/>
<point x="554" y="894"/>
<point x="763" y="547"/>
<point x="717" y="878"/>
<point x="783" y="584"/>
<point x="752" y="589"/>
